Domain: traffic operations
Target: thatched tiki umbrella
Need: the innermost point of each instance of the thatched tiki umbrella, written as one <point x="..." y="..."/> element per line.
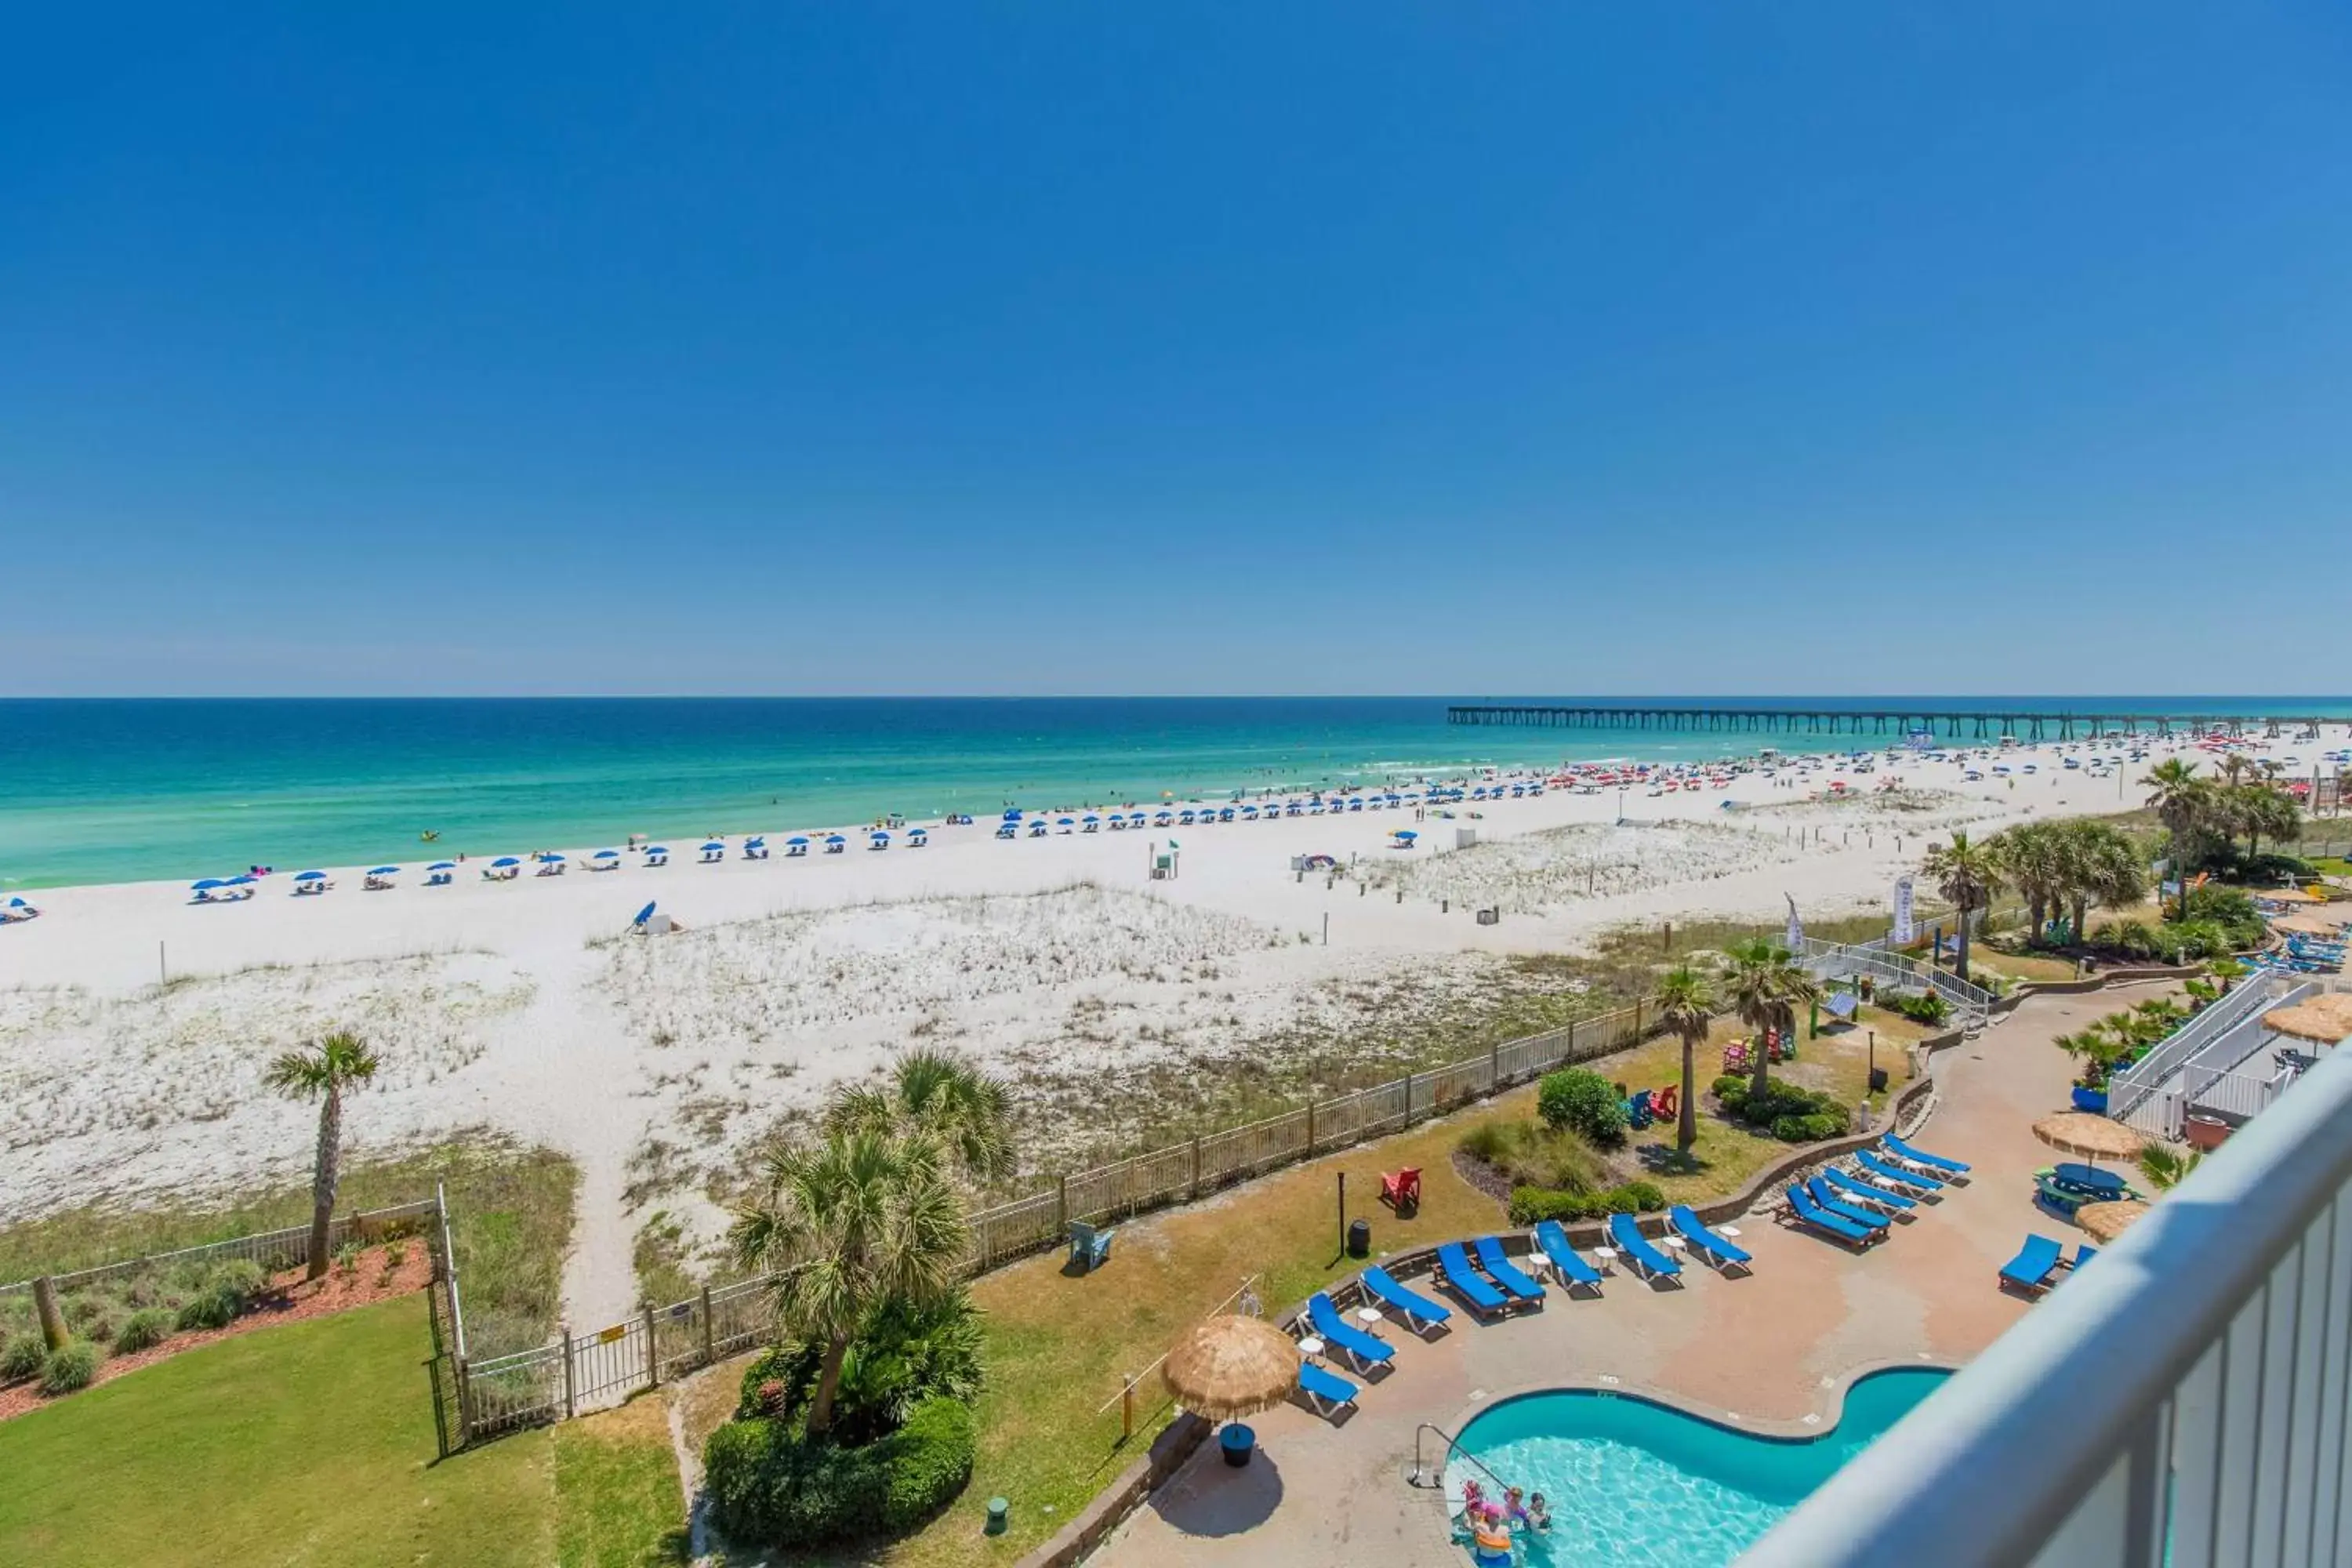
<point x="2308" y="925"/>
<point x="2092" y="1137"/>
<point x="1226" y="1368"/>
<point x="2317" y="1021"/>
<point x="2109" y="1220"/>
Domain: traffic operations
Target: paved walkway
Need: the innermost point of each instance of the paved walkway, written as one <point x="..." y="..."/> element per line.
<point x="1771" y="1350"/>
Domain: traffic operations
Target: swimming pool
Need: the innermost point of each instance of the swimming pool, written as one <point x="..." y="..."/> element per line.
<point x="1634" y="1482"/>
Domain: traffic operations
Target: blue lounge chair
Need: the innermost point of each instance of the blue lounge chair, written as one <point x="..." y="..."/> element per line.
<point x="1825" y="1197"/>
<point x="1920" y="1157"/>
<point x="1415" y="1309"/>
<point x="2083" y="1253"/>
<point x="1328" y="1390"/>
<point x="1089" y="1247"/>
<point x="1916" y="1182"/>
<point x="1342" y="1335"/>
<point x="2035" y="1262"/>
<point x="1552" y="1240"/>
<point x="1802" y="1209"/>
<point x="1635" y="1249"/>
<point x="1715" y="1249"/>
<point x="1846" y="1188"/>
<point x="1453" y="1271"/>
<point x="1508" y="1275"/>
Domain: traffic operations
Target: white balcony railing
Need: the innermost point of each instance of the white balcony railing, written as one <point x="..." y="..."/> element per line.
<point x="2180" y="1401"/>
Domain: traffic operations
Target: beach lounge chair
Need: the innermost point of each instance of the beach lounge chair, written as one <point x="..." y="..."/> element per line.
<point x="1634" y="1248"/>
<point x="1825" y="1197"/>
<point x="1921" y="1157"/>
<point x="1718" y="1250"/>
<point x="1417" y="1310"/>
<point x="1401" y="1190"/>
<point x="1804" y="1211"/>
<point x="1089" y="1247"/>
<point x="1455" y="1272"/>
<point x="2035" y="1262"/>
<point x="1506" y="1273"/>
<point x="1846" y="1189"/>
<point x="1336" y="1331"/>
<point x="1551" y="1243"/>
<point x="1329" y="1391"/>
<point x="2083" y="1253"/>
<point x="1916" y="1180"/>
<point x="1637" y="1111"/>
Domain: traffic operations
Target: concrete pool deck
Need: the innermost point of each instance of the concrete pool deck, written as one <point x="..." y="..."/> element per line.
<point x="1774" y="1349"/>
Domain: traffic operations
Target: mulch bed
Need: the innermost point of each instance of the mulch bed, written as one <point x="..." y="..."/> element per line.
<point x="290" y="1299"/>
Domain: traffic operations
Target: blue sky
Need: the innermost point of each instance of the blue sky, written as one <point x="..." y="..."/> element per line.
<point x="1184" y="348"/>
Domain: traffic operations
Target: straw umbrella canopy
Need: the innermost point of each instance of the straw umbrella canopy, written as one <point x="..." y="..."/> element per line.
<point x="2307" y="925"/>
<point x="2107" y="1221"/>
<point x="1228" y="1367"/>
<point x="2288" y="896"/>
<point x="2314" y="1021"/>
<point x="2092" y="1137"/>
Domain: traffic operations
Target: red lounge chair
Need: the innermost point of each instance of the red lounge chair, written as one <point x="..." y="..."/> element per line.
<point x="1401" y="1190"/>
<point x="1664" y="1101"/>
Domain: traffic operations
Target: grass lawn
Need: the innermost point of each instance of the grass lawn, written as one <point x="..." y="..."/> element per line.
<point x="2021" y="966"/>
<point x="1058" y="1346"/>
<point x="313" y="1443"/>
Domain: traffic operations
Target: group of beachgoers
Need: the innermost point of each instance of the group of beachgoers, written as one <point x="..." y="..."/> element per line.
<point x="1492" y="1520"/>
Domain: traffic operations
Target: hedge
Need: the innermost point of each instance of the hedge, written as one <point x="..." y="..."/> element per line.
<point x="769" y="1482"/>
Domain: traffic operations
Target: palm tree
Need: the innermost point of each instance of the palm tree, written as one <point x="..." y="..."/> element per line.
<point x="2031" y="858"/>
<point x="2181" y="800"/>
<point x="321" y="1071"/>
<point x="1684" y="1003"/>
<point x="2167" y="1167"/>
<point x="1767" y="987"/>
<point x="2234" y="769"/>
<point x="940" y="1095"/>
<point x="1967" y="875"/>
<point x="2103" y="866"/>
<point x="863" y="1217"/>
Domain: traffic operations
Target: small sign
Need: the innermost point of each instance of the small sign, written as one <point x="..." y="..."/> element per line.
<point x="618" y="1330"/>
<point x="1905" y="932"/>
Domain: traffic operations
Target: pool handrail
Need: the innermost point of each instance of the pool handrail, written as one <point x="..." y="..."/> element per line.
<point x="1452" y="1447"/>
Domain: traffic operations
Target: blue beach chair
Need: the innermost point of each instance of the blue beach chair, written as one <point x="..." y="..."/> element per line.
<point x="1417" y="1310"/>
<point x="1634" y="1248"/>
<point x="1825" y="1197"/>
<point x="1455" y="1272"/>
<point x="1717" y="1249"/>
<point x="1344" y="1336"/>
<point x="1804" y="1211"/>
<point x="2035" y="1262"/>
<point x="1848" y="1190"/>
<point x="1921" y="1157"/>
<point x="1552" y="1241"/>
<point x="1915" y="1181"/>
<point x="1089" y="1247"/>
<point x="1508" y="1275"/>
<point x="1330" y="1392"/>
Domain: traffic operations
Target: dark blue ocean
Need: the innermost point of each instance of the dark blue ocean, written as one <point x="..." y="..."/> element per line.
<point x="127" y="790"/>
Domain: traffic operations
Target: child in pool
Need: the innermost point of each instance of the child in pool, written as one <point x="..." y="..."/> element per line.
<point x="1537" y="1514"/>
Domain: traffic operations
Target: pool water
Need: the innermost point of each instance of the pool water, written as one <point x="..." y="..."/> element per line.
<point x="1631" y="1482"/>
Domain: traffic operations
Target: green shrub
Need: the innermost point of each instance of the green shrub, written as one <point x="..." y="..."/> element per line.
<point x="1648" y="1196"/>
<point x="1927" y="1007"/>
<point x="903" y="1356"/>
<point x="770" y="1483"/>
<point x="22" y="1357"/>
<point x="143" y="1330"/>
<point x="1489" y="1141"/>
<point x="240" y="1277"/>
<point x="1809" y="1129"/>
<point x="1582" y="1103"/>
<point x="1730" y="1089"/>
<point x="213" y="1306"/>
<point x="1533" y="1205"/>
<point x="69" y="1367"/>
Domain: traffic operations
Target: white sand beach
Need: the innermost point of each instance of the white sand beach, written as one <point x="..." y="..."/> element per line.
<point x="134" y="1025"/>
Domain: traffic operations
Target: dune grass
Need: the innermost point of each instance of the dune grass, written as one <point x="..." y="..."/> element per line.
<point x="313" y="1443"/>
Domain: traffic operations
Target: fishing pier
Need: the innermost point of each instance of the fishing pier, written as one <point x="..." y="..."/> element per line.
<point x="1986" y="725"/>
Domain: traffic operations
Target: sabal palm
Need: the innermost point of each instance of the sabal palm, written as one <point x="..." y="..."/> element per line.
<point x="1967" y="875"/>
<point x="862" y="1217"/>
<point x="1767" y="987"/>
<point x="2031" y="857"/>
<point x="2181" y="800"/>
<point x="938" y="1094"/>
<point x="2100" y="864"/>
<point x="1684" y="1003"/>
<point x="321" y="1071"/>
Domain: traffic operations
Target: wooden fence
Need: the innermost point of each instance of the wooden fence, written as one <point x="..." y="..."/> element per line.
<point x="586" y="1371"/>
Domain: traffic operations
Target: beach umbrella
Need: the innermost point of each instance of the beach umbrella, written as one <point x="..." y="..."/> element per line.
<point x="1090" y="817"/>
<point x="442" y="866"/>
<point x="835" y="839"/>
<point x="1011" y="816"/>
<point x="209" y="882"/>
<point x="385" y="872"/>
<point x="1404" y="833"/>
<point x="605" y="855"/>
<point x="239" y="880"/>
<point x="796" y="839"/>
<point x="656" y="848"/>
<point x="1228" y="1367"/>
<point x="2314" y="1021"/>
<point x="714" y="844"/>
<point x="2092" y="1137"/>
<point x="309" y="875"/>
<point x="550" y="855"/>
<point x="643" y="915"/>
<point x="2109" y="1220"/>
<point x="757" y="840"/>
<point x="505" y="860"/>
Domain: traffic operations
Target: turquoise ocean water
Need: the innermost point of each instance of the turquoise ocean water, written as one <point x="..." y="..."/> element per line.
<point x="126" y="790"/>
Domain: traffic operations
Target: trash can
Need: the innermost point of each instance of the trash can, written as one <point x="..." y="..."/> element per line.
<point x="1878" y="1080"/>
<point x="1237" y="1441"/>
<point x="1359" y="1238"/>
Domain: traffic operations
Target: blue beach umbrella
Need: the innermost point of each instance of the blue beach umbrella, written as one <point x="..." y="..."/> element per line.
<point x="656" y="848"/>
<point x="643" y="915"/>
<point x="385" y="872"/>
<point x="605" y="855"/>
<point x="550" y="855"/>
<point x="309" y="875"/>
<point x="1011" y="816"/>
<point x="207" y="884"/>
<point x="835" y="839"/>
<point x="442" y="866"/>
<point x="1405" y="833"/>
<point x="714" y="844"/>
<point x="755" y="841"/>
<point x="796" y="839"/>
<point x="241" y="879"/>
<point x="505" y="860"/>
